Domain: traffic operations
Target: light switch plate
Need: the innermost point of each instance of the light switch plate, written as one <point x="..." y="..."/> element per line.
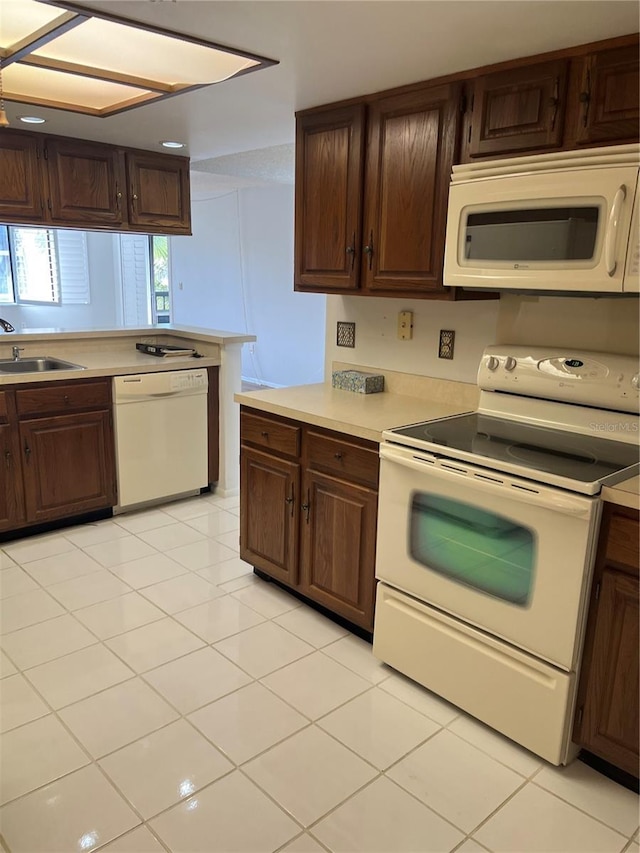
<point x="405" y="325"/>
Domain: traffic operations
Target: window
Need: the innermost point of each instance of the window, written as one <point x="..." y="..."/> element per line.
<point x="144" y="276"/>
<point x="43" y="266"/>
<point x="160" y="297"/>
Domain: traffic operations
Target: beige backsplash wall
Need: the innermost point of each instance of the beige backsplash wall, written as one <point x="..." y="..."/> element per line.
<point x="601" y="324"/>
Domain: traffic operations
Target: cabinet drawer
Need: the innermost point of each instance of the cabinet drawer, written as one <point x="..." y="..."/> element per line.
<point x="336" y="456"/>
<point x="63" y="397"/>
<point x="271" y="434"/>
<point x="622" y="540"/>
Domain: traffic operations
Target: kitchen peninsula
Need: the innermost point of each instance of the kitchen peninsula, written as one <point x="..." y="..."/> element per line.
<point x="86" y="394"/>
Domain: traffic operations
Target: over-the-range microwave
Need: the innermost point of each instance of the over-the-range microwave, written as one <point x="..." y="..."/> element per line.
<point x="551" y="222"/>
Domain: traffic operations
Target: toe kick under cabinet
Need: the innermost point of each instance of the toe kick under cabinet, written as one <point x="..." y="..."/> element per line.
<point x="308" y="509"/>
<point x="56" y="451"/>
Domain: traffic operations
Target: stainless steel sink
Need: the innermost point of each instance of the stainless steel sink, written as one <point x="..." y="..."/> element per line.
<point x="36" y="364"/>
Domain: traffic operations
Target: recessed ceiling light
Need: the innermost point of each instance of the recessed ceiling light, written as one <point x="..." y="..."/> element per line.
<point x="169" y="144"/>
<point x="32" y="119"/>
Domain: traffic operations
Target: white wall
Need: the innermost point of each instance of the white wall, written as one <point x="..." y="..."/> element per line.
<point x="599" y="324"/>
<point x="236" y="273"/>
<point x="101" y="311"/>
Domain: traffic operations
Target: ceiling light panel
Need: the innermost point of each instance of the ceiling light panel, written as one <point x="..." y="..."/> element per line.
<point x="53" y="88"/>
<point x="144" y="54"/>
<point x="20" y="18"/>
<point x="64" y="56"/>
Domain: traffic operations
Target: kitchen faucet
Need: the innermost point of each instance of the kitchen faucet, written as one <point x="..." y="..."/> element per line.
<point x="6" y="325"/>
<point x="15" y="353"/>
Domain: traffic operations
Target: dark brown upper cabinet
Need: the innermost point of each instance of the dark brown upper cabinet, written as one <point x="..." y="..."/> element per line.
<point x="21" y="197"/>
<point x="55" y="180"/>
<point x="609" y="97"/>
<point x="159" y="196"/>
<point x="519" y="109"/>
<point x="410" y="151"/>
<point x="376" y="230"/>
<point x="86" y="182"/>
<point x="329" y="174"/>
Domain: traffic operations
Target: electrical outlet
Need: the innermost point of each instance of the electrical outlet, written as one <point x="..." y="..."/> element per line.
<point x="405" y="325"/>
<point x="345" y="334"/>
<point x="445" y="347"/>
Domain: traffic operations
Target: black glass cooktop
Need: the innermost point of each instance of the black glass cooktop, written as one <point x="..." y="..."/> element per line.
<point x="583" y="458"/>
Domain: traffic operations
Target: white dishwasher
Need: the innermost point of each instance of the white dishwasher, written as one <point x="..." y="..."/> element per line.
<point x="161" y="434"/>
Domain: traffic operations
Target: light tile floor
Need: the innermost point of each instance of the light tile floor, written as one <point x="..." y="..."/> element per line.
<point x="157" y="696"/>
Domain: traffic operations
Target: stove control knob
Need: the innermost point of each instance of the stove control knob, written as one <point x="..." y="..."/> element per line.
<point x="635" y="382"/>
<point x="510" y="364"/>
<point x="492" y="362"/>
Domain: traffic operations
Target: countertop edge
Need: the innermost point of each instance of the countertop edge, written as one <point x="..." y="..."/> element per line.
<point x="214" y="336"/>
<point x="625" y="493"/>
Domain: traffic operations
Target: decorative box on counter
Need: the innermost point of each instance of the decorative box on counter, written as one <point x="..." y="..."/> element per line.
<point x="356" y="380"/>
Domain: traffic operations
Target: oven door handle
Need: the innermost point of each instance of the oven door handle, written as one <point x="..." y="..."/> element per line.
<point x="489" y="482"/>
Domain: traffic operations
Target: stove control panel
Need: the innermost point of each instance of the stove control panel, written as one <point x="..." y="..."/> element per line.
<point x="598" y="379"/>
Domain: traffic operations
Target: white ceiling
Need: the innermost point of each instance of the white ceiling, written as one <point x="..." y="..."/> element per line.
<point x="328" y="50"/>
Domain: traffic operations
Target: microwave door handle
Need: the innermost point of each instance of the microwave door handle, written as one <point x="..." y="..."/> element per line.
<point x="612" y="230"/>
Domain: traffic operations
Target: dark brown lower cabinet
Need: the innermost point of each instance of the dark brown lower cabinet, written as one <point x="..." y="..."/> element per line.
<point x="269" y="487"/>
<point x="57" y="451"/>
<point x="338" y="546"/>
<point x="308" y="506"/>
<point x="607" y="720"/>
<point x="67" y="465"/>
<point x="11" y="500"/>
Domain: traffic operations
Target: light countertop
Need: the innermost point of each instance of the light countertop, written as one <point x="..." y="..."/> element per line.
<point x="112" y="352"/>
<point x="626" y="493"/>
<point x="362" y="415"/>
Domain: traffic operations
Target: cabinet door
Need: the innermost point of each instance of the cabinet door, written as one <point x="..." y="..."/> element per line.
<point x="20" y="178"/>
<point x="610" y="718"/>
<point x="609" y="97"/>
<point x="338" y="534"/>
<point x="85" y="182"/>
<point x="159" y="198"/>
<point x="518" y="110"/>
<point x="329" y="165"/>
<point x="68" y="464"/>
<point x="269" y="512"/>
<point x="11" y="496"/>
<point x="411" y="145"/>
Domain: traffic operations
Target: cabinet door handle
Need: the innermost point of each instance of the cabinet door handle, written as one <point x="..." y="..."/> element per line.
<point x="351" y="250"/>
<point x="306" y="507"/>
<point x="554" y="102"/>
<point x="585" y="100"/>
<point x="27" y="451"/>
<point x="7" y="457"/>
<point x="290" y="500"/>
<point x="368" y="250"/>
<point x="134" y="196"/>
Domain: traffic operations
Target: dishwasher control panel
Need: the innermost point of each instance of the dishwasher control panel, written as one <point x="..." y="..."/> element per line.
<point x="183" y="380"/>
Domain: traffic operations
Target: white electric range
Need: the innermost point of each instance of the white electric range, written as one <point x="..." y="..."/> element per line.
<point x="487" y="530"/>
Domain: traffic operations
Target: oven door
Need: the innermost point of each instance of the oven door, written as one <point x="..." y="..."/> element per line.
<point x="509" y="556"/>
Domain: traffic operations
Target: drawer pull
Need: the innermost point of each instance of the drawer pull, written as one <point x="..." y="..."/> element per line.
<point x="337" y="455"/>
<point x="264" y="434"/>
<point x="7" y="457"/>
<point x="66" y="399"/>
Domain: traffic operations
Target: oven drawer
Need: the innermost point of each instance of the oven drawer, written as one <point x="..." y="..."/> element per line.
<point x="270" y="434"/>
<point x="342" y="458"/>
<point x="518" y="695"/>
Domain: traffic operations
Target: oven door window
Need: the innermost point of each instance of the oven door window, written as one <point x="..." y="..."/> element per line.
<point x="471" y="546"/>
